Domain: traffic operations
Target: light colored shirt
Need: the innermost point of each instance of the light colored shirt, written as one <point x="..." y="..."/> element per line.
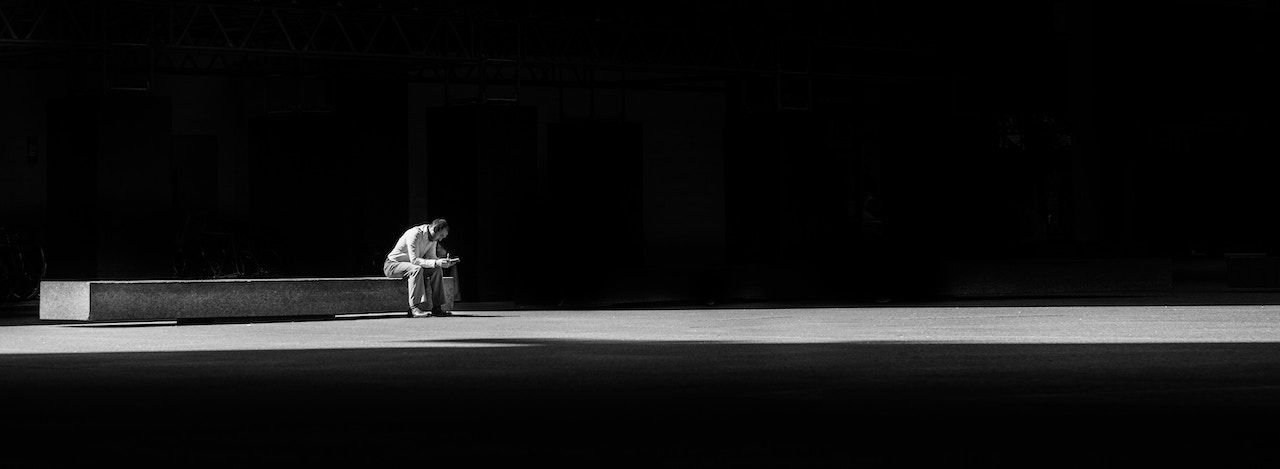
<point x="416" y="247"/>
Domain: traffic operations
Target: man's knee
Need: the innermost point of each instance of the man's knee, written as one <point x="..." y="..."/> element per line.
<point x="417" y="271"/>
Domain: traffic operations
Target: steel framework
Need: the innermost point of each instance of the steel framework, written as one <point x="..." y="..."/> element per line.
<point x="480" y="43"/>
<point x="384" y="34"/>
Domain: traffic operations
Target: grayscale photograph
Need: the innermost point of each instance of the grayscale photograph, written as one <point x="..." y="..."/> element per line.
<point x="658" y="234"/>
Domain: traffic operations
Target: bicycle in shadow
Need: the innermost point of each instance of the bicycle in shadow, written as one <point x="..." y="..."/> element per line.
<point x="22" y="267"/>
<point x="225" y="255"/>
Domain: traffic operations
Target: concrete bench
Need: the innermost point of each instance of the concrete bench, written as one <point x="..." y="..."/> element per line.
<point x="151" y="300"/>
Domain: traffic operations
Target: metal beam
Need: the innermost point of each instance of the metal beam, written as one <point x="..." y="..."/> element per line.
<point x="411" y="39"/>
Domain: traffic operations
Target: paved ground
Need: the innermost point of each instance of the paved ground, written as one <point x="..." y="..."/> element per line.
<point x="996" y="384"/>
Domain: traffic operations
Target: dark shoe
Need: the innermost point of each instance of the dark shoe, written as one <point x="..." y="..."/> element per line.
<point x="418" y="312"/>
<point x="440" y="312"/>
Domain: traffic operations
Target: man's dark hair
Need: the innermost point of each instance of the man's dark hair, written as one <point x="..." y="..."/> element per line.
<point x="439" y="224"/>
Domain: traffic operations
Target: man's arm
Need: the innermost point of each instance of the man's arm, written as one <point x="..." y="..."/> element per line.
<point x="442" y="257"/>
<point x="415" y="257"/>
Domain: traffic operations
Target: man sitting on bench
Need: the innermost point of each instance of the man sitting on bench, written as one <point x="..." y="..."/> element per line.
<point x="419" y="257"/>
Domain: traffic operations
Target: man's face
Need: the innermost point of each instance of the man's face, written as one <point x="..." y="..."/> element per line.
<point x="440" y="235"/>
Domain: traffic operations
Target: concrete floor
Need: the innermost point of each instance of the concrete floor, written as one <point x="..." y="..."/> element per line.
<point x="1013" y="383"/>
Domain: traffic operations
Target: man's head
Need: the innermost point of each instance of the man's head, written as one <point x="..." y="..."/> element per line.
<point x="439" y="229"/>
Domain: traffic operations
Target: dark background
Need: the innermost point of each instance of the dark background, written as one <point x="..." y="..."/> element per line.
<point x="655" y="152"/>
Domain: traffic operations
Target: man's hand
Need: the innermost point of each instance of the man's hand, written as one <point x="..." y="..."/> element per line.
<point x="447" y="263"/>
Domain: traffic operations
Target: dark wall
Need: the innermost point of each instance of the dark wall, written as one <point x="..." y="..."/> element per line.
<point x="194" y="162"/>
<point x="110" y="191"/>
<point x="1020" y="130"/>
<point x="675" y="160"/>
<point x="597" y="194"/>
<point x="1186" y="127"/>
<point x="307" y="192"/>
<point x="329" y="189"/>
<point x="480" y="174"/>
<point x="24" y="142"/>
<point x="374" y="106"/>
<point x="788" y="192"/>
<point x="596" y="176"/>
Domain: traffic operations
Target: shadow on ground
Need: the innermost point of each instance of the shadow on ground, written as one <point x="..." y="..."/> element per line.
<point x="671" y="404"/>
